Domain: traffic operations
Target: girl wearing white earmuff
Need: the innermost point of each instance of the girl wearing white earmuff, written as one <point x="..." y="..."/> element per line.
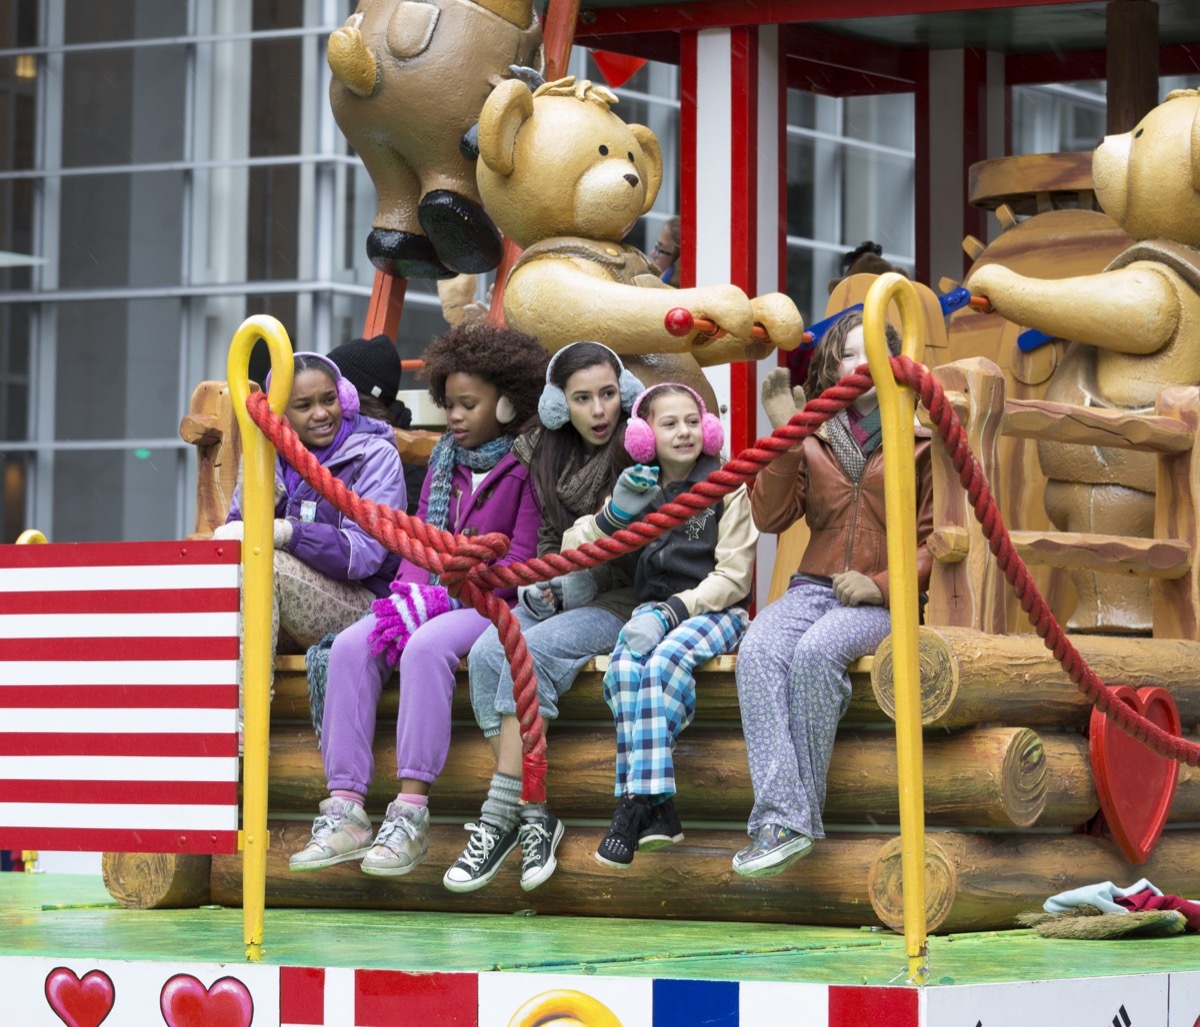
<point x="576" y="457"/>
<point x="486" y="378"/>
<point x="691" y="584"/>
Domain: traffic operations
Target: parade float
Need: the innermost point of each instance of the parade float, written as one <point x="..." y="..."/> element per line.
<point x="989" y="758"/>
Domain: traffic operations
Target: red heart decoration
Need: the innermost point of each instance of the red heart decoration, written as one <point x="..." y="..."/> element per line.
<point x="185" y="1002"/>
<point x="617" y="68"/>
<point x="1135" y="784"/>
<point x="80" y="1003"/>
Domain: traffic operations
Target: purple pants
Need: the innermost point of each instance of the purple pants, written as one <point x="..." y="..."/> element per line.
<point x="356" y="680"/>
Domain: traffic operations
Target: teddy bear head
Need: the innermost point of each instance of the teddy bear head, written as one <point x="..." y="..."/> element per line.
<point x="1148" y="180"/>
<point x="559" y="162"/>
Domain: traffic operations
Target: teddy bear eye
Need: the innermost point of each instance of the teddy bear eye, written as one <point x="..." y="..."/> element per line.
<point x="1138" y="133"/>
<point x="603" y="151"/>
<point x="630" y="156"/>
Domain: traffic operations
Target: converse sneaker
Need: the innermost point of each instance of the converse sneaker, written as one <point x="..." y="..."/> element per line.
<point x="772" y="850"/>
<point x="341" y="833"/>
<point x="482" y="857"/>
<point x="402" y="842"/>
<point x="617" y="847"/>
<point x="660" y="828"/>
<point x="540" y="835"/>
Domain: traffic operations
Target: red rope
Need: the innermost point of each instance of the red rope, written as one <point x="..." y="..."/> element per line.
<point x="466" y="568"/>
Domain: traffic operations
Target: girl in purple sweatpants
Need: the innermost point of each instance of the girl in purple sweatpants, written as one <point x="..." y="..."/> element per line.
<point x="488" y="381"/>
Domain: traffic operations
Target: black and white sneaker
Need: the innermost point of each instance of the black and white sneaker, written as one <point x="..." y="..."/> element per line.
<point x="617" y="847"/>
<point x="661" y="827"/>
<point x="482" y="857"/>
<point x="540" y="835"/>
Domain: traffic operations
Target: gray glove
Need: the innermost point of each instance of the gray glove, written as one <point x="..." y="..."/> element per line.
<point x="780" y="399"/>
<point x="644" y="632"/>
<point x="231" y="530"/>
<point x="573" y="590"/>
<point x="853" y="588"/>
<point x="538" y="600"/>
<point x="635" y="490"/>
<point x="281" y="534"/>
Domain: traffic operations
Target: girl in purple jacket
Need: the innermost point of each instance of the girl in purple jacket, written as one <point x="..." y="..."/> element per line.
<point x="327" y="569"/>
<point x="488" y="381"/>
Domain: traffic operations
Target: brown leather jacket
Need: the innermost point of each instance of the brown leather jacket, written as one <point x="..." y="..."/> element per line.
<point x="847" y="521"/>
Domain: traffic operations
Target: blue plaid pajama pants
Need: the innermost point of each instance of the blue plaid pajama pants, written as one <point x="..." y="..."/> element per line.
<point x="653" y="697"/>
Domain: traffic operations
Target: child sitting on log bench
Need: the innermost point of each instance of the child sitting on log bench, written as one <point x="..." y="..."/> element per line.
<point x="793" y="666"/>
<point x="488" y="381"/>
<point x="691" y="583"/>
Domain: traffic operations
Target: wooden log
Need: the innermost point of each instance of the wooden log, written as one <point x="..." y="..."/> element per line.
<point x="716" y="698"/>
<point x="1105" y="554"/>
<point x="157" y="880"/>
<point x="886" y="887"/>
<point x="969" y="592"/>
<point x="1176" y="602"/>
<point x="1096" y="426"/>
<point x="990" y="777"/>
<point x="1131" y="63"/>
<point x="969" y="678"/>
<point x="690" y="881"/>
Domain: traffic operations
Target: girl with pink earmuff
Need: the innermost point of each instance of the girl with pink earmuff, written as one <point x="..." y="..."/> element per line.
<point x="327" y="569"/>
<point x="691" y="584"/>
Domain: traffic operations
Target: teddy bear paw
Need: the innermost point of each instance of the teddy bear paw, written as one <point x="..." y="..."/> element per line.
<point x="463" y="235"/>
<point x="404" y="254"/>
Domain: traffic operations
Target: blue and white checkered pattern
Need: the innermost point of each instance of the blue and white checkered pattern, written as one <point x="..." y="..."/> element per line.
<point x="653" y="697"/>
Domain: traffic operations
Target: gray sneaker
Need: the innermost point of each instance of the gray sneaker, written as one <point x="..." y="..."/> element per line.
<point x="341" y="833"/>
<point x="402" y="842"/>
<point x="774" y="848"/>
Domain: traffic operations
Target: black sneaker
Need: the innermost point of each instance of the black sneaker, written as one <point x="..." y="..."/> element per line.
<point x="540" y="835"/>
<point x="661" y="827"/>
<point x="482" y="857"/>
<point x="618" y="846"/>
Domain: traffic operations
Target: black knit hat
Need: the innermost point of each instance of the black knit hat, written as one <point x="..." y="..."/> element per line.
<point x="371" y="365"/>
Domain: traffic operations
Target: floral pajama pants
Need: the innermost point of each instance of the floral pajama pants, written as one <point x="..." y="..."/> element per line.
<point x="793" y="687"/>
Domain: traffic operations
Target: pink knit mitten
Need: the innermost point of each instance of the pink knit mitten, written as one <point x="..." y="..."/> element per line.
<point x="400" y="614"/>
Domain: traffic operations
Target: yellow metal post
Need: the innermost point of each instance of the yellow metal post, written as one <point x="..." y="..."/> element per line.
<point x="258" y="567"/>
<point x="897" y="407"/>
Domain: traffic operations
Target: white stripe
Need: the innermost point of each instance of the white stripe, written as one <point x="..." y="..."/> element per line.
<point x="119" y="672"/>
<point x="119" y="721"/>
<point x="118" y="817"/>
<point x="119" y="625"/>
<point x="119" y="768"/>
<point x="339" y="997"/>
<point x="86" y="579"/>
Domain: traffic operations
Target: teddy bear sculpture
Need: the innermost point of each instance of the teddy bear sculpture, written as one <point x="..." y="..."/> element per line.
<point x="1134" y="330"/>
<point x="566" y="179"/>
<point x="409" y="80"/>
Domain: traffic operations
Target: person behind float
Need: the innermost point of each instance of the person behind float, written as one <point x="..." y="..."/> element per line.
<point x="487" y="379"/>
<point x="327" y="569"/>
<point x="691" y="583"/>
<point x="576" y="456"/>
<point x="792" y="672"/>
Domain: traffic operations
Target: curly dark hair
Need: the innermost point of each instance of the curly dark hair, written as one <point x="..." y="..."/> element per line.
<point x="513" y="362"/>
<point x="823" y="371"/>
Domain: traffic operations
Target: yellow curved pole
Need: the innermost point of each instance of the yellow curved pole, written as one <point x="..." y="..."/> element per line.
<point x="897" y="407"/>
<point x="258" y="568"/>
<point x="31" y="536"/>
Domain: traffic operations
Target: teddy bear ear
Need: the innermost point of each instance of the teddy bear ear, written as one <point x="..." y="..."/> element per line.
<point x="508" y="107"/>
<point x="648" y="141"/>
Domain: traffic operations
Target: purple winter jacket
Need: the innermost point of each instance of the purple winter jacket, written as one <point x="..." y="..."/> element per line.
<point x="369" y="464"/>
<point x="506" y="502"/>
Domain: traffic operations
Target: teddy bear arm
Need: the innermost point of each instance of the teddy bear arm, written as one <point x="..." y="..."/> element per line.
<point x="1131" y="310"/>
<point x="559" y="301"/>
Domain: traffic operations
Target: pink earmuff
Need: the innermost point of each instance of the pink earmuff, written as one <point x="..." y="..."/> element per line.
<point x="639" y="435"/>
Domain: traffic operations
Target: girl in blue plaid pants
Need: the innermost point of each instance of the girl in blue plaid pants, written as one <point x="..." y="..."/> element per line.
<point x="691" y="582"/>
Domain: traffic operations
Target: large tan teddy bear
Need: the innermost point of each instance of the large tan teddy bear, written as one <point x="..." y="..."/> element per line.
<point x="409" y="79"/>
<point x="567" y="179"/>
<point x="1134" y="331"/>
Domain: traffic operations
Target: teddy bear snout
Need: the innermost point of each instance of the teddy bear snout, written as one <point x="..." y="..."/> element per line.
<point x="632" y="180"/>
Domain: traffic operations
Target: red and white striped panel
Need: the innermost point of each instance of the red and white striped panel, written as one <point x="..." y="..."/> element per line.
<point x="118" y="697"/>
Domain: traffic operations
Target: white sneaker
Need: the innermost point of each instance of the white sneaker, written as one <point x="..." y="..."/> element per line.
<point x="341" y="833"/>
<point x="402" y="842"/>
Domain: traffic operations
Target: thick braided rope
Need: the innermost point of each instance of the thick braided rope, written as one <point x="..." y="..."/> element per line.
<point x="953" y="436"/>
